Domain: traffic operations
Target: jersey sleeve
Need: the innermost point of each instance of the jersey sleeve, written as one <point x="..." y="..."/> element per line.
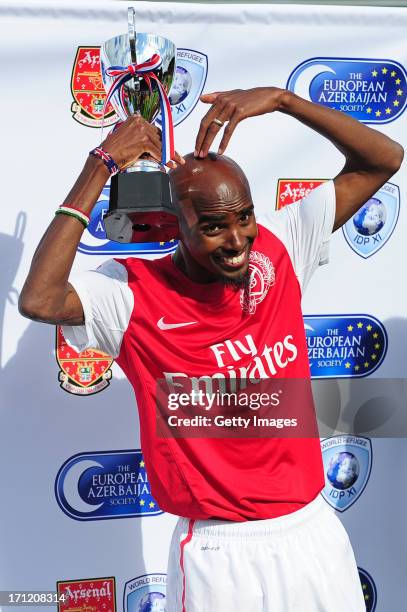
<point x="305" y="228"/>
<point x="107" y="303"/>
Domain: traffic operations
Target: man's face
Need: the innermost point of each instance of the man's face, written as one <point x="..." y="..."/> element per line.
<point x="217" y="222"/>
<point x="219" y="238"/>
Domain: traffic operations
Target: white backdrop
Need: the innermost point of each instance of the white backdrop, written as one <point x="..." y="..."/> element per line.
<point x="43" y="149"/>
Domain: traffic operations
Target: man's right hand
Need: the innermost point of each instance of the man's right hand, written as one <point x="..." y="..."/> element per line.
<point x="134" y="138"/>
<point x="47" y="296"/>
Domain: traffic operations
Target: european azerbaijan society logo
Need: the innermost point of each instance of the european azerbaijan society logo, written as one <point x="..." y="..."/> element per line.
<point x="105" y="485"/>
<point x="187" y="86"/>
<point x="369" y="590"/>
<point x="145" y="593"/>
<point x="94" y="241"/>
<point x="373" y="224"/>
<point x="370" y="90"/>
<point x="344" y="346"/>
<point x="347" y="465"/>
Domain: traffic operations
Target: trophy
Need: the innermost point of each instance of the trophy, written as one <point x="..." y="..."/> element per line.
<point x="137" y="72"/>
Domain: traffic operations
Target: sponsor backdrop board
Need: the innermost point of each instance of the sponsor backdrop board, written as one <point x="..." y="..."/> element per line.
<point x="77" y="513"/>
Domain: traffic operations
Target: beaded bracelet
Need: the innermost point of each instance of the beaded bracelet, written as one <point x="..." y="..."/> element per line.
<point x="106" y="158"/>
<point x="72" y="211"/>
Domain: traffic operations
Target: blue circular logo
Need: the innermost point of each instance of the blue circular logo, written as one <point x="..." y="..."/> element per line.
<point x="96" y="226"/>
<point x="181" y="86"/>
<point x="371" y="218"/>
<point x="152" y="602"/>
<point x="343" y="470"/>
<point x="369" y="590"/>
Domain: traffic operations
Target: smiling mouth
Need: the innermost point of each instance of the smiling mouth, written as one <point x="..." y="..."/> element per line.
<point x="233" y="262"/>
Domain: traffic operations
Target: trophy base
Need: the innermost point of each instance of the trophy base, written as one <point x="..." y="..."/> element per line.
<point x="140" y="208"/>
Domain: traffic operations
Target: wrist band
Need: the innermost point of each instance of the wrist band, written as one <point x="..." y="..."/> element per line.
<point x="71" y="211"/>
<point x="106" y="159"/>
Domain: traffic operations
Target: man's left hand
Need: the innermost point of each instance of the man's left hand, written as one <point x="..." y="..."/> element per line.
<point x="232" y="107"/>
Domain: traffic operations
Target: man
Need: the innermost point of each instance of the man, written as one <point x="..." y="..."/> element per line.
<point x="255" y="533"/>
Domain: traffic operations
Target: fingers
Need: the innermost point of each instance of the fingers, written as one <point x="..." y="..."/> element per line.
<point x="148" y="151"/>
<point x="227" y="133"/>
<point x="226" y="107"/>
<point x="179" y="159"/>
<point x="159" y="132"/>
<point x="208" y="129"/>
<point x="209" y="98"/>
<point x="151" y="143"/>
<point x="141" y="140"/>
<point x="135" y="138"/>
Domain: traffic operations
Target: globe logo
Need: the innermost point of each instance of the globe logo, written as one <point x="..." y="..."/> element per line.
<point x="343" y="470"/>
<point x="181" y="86"/>
<point x="152" y="602"/>
<point x="371" y="218"/>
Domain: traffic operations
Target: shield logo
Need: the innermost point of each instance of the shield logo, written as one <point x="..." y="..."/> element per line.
<point x="87" y="595"/>
<point x="347" y="465"/>
<point x="147" y="592"/>
<point x="83" y="373"/>
<point x="189" y="81"/>
<point x="88" y="90"/>
<point x="371" y="227"/>
<point x="291" y="190"/>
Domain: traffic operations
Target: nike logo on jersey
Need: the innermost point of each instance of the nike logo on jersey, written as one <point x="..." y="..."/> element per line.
<point x="162" y="325"/>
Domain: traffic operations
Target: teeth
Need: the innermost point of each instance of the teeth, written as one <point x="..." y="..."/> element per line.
<point x="234" y="260"/>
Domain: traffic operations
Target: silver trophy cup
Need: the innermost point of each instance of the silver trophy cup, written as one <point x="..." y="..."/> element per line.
<point x="140" y="208"/>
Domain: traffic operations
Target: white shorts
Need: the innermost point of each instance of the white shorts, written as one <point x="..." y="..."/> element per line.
<point x="299" y="562"/>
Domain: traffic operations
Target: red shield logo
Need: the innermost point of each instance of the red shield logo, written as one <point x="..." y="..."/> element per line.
<point x="88" y="90"/>
<point x="87" y="595"/>
<point x="83" y="373"/>
<point x="291" y="190"/>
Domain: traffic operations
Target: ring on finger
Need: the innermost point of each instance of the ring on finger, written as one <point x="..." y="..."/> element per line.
<point x="218" y="122"/>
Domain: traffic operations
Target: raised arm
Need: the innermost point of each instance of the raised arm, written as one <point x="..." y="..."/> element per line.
<point x="46" y="295"/>
<point x="371" y="158"/>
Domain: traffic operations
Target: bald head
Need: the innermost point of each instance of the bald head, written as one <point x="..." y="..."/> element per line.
<point x="216" y="219"/>
<point x="215" y="180"/>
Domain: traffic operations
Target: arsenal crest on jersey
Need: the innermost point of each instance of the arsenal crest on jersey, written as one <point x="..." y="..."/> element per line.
<point x="83" y="373"/>
<point x="262" y="277"/>
<point x="88" y="90"/>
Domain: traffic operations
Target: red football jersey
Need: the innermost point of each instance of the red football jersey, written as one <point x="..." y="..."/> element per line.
<point x="158" y="324"/>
